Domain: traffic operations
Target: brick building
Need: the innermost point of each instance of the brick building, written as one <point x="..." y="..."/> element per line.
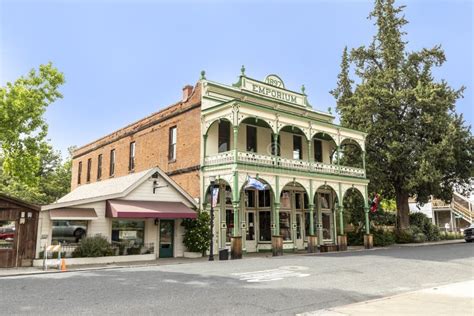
<point x="145" y="144"/>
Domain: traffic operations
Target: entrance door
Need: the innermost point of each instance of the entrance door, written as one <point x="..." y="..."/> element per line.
<point x="251" y="240"/>
<point x="299" y="231"/>
<point x="327" y="227"/>
<point x="166" y="238"/>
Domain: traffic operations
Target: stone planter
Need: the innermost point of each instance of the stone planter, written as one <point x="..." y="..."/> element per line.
<point x="192" y="255"/>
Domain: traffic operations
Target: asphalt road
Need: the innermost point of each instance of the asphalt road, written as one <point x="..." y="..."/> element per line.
<point x="283" y="285"/>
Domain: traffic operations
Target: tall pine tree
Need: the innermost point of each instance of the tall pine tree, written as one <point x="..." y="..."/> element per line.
<point x="417" y="146"/>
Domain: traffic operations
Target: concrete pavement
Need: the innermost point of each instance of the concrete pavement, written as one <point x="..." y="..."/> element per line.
<point x="451" y="299"/>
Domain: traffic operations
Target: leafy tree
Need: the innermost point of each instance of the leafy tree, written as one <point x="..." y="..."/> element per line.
<point x="54" y="179"/>
<point x="22" y="127"/>
<point x="416" y="145"/>
<point x="197" y="234"/>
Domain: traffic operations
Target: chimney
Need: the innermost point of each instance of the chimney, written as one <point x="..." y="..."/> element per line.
<point x="187" y="90"/>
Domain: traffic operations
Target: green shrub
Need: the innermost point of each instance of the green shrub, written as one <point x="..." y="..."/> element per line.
<point x="355" y="238"/>
<point x="419" y="238"/>
<point x="422" y="222"/>
<point x="383" y="238"/>
<point x="93" y="247"/>
<point x="404" y="236"/>
<point x="451" y="235"/>
<point x="133" y="251"/>
<point x="197" y="233"/>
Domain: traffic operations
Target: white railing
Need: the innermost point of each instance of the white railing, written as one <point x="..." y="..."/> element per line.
<point x="220" y="158"/>
<point x="279" y="162"/>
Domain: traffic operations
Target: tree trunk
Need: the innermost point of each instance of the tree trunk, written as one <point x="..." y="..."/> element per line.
<point x="403" y="210"/>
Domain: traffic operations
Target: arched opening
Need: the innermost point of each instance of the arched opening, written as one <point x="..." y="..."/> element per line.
<point x="255" y="136"/>
<point x="350" y="153"/>
<point x="223" y="208"/>
<point x="324" y="148"/>
<point x="353" y="203"/>
<point x="326" y="202"/>
<point x="256" y="205"/>
<point x="296" y="145"/>
<point x="219" y="137"/>
<point x="294" y="214"/>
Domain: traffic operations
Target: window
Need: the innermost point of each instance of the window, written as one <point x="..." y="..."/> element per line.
<point x="297" y="147"/>
<point x="264" y="198"/>
<point x="318" y="151"/>
<point x="131" y="157"/>
<point x="7" y="233"/>
<point x="324" y="200"/>
<point x="99" y="167"/>
<point x="89" y="166"/>
<point x="130" y="233"/>
<point x="79" y="172"/>
<point x="250" y="198"/>
<point x="69" y="231"/>
<point x="172" y="144"/>
<point x="264" y="226"/>
<point x="112" y="163"/>
<point x="285" y="227"/>
<point x="298" y="203"/>
<point x="251" y="138"/>
<point x="224" y="136"/>
<point x="250" y="226"/>
<point x="275" y="147"/>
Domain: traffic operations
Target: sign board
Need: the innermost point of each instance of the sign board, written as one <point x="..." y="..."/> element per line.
<point x="274" y="89"/>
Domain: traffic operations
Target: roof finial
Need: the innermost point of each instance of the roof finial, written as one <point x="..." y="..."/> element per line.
<point x="303" y="89"/>
<point x="203" y="75"/>
<point x="242" y="70"/>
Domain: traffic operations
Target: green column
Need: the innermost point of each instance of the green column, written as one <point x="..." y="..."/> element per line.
<point x="276" y="219"/>
<point x="235" y="231"/>
<point x="236" y="139"/>
<point x="363" y="162"/>
<point x="310" y="157"/>
<point x="320" y="222"/>
<point x="341" y="211"/>
<point x="311" y="219"/>
<point x="338" y="159"/>
<point x="366" y="209"/>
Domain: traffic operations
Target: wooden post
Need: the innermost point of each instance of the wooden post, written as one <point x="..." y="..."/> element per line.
<point x="236" y="247"/>
<point x="312" y="244"/>
<point x="277" y="245"/>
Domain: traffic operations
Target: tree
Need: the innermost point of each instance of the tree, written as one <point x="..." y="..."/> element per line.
<point x="22" y="127"/>
<point x="417" y="146"/>
<point x="54" y="179"/>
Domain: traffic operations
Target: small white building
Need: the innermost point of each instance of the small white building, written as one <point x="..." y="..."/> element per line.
<point x="140" y="213"/>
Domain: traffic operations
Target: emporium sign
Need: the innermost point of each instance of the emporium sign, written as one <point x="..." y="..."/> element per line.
<point x="274" y="88"/>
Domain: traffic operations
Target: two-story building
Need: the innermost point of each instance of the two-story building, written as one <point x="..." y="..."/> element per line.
<point x="221" y="136"/>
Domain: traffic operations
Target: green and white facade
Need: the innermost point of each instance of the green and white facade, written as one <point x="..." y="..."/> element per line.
<point x="263" y="130"/>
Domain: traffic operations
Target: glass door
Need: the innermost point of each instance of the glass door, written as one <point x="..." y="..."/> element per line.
<point x="250" y="239"/>
<point x="166" y="238"/>
<point x="299" y="231"/>
<point x="327" y="226"/>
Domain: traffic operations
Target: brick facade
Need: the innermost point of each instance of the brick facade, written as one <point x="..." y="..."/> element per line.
<point x="151" y="137"/>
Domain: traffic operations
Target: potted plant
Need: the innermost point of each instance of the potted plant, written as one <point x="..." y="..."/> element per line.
<point x="197" y="235"/>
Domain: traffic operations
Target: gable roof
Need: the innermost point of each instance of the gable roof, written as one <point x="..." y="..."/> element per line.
<point x="113" y="189"/>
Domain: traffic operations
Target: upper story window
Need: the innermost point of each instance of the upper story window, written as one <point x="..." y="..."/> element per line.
<point x="131" y="157"/>
<point x="172" y="143"/>
<point x="297" y="147"/>
<point x="224" y="136"/>
<point x="99" y="167"/>
<point x="251" y="138"/>
<point x="318" y="150"/>
<point x="112" y="163"/>
<point x="275" y="146"/>
<point x="89" y="166"/>
<point x="79" y="172"/>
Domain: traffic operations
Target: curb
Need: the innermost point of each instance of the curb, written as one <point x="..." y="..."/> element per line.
<point x="395" y="246"/>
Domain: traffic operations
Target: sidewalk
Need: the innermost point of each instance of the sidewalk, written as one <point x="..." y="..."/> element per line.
<point x="6" y="272"/>
<point x="451" y="299"/>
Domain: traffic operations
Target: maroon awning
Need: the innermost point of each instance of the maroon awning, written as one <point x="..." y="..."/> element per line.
<point x="148" y="209"/>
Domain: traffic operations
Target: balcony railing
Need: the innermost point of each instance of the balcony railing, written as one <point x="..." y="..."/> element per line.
<point x="279" y="162"/>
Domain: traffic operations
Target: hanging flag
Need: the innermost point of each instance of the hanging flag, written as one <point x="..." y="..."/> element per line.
<point x="375" y="203"/>
<point x="215" y="195"/>
<point x="253" y="183"/>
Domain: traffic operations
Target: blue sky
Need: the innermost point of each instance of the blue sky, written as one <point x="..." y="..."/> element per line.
<point x="126" y="59"/>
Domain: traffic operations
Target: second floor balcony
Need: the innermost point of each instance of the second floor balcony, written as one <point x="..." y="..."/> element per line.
<point x="289" y="149"/>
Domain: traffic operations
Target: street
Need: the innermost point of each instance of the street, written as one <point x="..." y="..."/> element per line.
<point x="281" y="285"/>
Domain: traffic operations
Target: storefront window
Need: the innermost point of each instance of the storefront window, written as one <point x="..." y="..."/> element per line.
<point x="285" y="199"/>
<point x="326" y="225"/>
<point x="228" y="195"/>
<point x="7" y="234"/>
<point x="264" y="226"/>
<point x="250" y="226"/>
<point x="66" y="231"/>
<point x="324" y="200"/>
<point x="250" y="198"/>
<point x="229" y="220"/>
<point x="298" y="201"/>
<point x="128" y="231"/>
<point x="264" y="198"/>
<point x="298" y="226"/>
<point x="285" y="225"/>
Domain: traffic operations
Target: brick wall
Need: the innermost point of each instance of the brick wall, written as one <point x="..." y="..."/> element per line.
<point x="151" y="135"/>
